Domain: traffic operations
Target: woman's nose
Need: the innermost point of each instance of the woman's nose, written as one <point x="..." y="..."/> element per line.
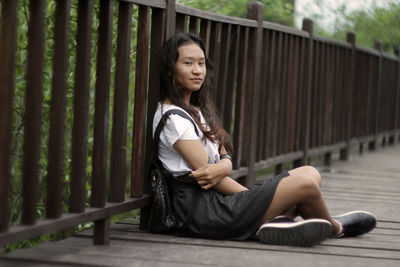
<point x="197" y="68"/>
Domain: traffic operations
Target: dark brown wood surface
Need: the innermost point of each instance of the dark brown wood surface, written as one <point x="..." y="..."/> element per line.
<point x="281" y="93"/>
<point x="367" y="182"/>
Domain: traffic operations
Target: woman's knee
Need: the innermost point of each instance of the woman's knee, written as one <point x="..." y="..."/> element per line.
<point x="308" y="171"/>
<point x="308" y="187"/>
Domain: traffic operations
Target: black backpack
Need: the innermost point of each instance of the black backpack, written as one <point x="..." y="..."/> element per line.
<point x="162" y="216"/>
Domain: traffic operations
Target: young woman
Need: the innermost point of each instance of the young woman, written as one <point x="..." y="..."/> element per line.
<point x="213" y="205"/>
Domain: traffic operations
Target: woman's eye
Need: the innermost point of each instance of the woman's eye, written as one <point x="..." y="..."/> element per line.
<point x="188" y="63"/>
<point x="201" y="63"/>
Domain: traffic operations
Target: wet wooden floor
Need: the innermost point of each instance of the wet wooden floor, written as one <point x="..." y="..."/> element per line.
<point x="367" y="182"/>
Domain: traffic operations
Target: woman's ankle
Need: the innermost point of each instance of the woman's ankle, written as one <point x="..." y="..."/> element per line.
<point x="337" y="228"/>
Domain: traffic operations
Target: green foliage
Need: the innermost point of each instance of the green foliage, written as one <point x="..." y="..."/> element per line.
<point x="274" y="11"/>
<point x="15" y="201"/>
<point x="377" y="23"/>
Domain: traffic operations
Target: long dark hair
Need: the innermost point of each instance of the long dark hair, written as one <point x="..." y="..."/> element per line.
<point x="200" y="99"/>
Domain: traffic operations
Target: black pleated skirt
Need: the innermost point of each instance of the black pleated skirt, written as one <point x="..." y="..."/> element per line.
<point x="210" y="214"/>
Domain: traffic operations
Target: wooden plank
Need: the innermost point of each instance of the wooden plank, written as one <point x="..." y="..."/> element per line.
<point x="239" y="126"/>
<point x="81" y="107"/>
<point x="120" y="109"/>
<point x="157" y="38"/>
<point x="194" y="24"/>
<point x="347" y="185"/>
<point x="153" y="3"/>
<point x="169" y="19"/>
<point x="7" y="74"/>
<point x="222" y="90"/>
<point x="68" y="220"/>
<point x="204" y="15"/>
<point x="102" y="103"/>
<point x="231" y="86"/>
<point x="33" y="106"/>
<point x="263" y="110"/>
<point x="215" y="56"/>
<point x="271" y="91"/>
<point x="139" y="119"/>
<point x="181" y="23"/>
<point x="58" y="110"/>
<point x="163" y="249"/>
<point x="205" y="33"/>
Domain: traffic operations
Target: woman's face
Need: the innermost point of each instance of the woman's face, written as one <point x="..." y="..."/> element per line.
<point x="190" y="67"/>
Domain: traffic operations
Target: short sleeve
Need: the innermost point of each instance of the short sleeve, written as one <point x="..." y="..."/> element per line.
<point x="177" y="128"/>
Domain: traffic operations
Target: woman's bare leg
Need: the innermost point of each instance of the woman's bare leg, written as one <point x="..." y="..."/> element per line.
<point x="307" y="171"/>
<point x="303" y="192"/>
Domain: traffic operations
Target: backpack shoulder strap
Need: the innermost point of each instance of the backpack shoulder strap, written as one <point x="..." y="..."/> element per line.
<point x="160" y="125"/>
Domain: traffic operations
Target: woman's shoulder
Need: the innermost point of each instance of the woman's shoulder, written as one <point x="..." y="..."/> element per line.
<point x="162" y="108"/>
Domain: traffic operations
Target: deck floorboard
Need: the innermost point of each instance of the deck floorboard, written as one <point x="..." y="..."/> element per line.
<point x="370" y="181"/>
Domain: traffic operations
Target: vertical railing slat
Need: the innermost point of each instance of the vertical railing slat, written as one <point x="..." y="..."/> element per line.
<point x="307" y="88"/>
<point x="232" y="71"/>
<point x="81" y="107"/>
<point x="33" y="102"/>
<point x="194" y="23"/>
<point x="349" y="89"/>
<point x="7" y="75"/>
<point x="102" y="102"/>
<point x="215" y="54"/>
<point x="222" y="90"/>
<point x="240" y="98"/>
<point x="255" y="11"/>
<point x="181" y="23"/>
<point x="120" y="109"/>
<point x="397" y="104"/>
<point x="262" y="114"/>
<point x="139" y="127"/>
<point x="56" y="153"/>
<point x="205" y="34"/>
<point x="271" y="101"/>
<point x="157" y="38"/>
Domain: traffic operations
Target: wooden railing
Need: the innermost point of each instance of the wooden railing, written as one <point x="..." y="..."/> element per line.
<point x="284" y="94"/>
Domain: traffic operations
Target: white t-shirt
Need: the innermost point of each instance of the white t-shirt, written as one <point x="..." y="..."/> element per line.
<point x="179" y="128"/>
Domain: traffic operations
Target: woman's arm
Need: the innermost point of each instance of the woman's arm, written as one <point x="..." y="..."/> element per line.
<point x="208" y="175"/>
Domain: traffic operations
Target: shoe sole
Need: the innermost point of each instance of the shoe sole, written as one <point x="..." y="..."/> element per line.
<point x="305" y="233"/>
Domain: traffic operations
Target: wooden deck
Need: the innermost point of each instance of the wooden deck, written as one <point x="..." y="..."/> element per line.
<point x="368" y="182"/>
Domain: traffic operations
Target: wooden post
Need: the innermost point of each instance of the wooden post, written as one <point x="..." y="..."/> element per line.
<point x="170" y="19"/>
<point x="351" y="39"/>
<point x="58" y="111"/>
<point x="255" y="11"/>
<point x="372" y="144"/>
<point x="308" y="26"/>
<point x="162" y="28"/>
<point x="139" y="114"/>
<point x="102" y="99"/>
<point x="81" y="107"/>
<point x="397" y="104"/>
<point x="120" y="108"/>
<point x="101" y="235"/>
<point x="33" y="103"/>
<point x="328" y="159"/>
<point x="7" y="73"/>
<point x="101" y="232"/>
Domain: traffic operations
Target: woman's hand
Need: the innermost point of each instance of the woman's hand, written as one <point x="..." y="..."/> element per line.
<point x="206" y="175"/>
<point x="209" y="175"/>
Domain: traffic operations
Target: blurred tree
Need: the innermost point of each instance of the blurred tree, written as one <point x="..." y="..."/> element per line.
<point x="377" y="23"/>
<point x="277" y="11"/>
